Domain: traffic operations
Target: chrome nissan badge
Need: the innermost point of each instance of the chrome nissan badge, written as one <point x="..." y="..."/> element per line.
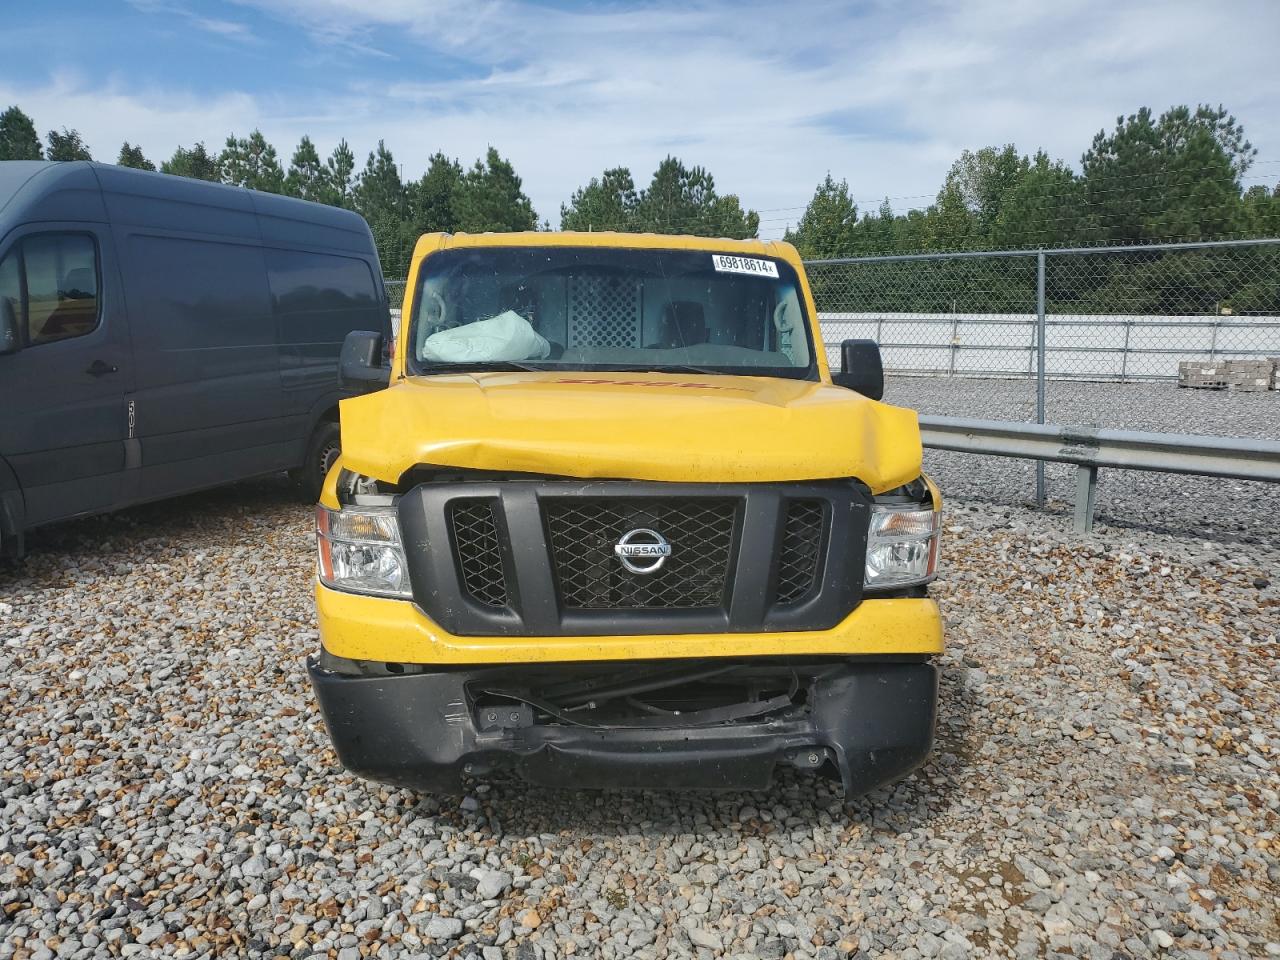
<point x="642" y="550"/>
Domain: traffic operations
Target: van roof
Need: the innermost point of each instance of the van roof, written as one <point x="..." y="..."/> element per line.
<point x="36" y="190"/>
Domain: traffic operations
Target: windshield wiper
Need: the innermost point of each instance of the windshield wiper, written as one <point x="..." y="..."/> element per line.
<point x="478" y="366"/>
<point x="683" y="368"/>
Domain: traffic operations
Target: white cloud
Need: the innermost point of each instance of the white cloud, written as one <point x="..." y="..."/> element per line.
<point x="174" y="10"/>
<point x="768" y="97"/>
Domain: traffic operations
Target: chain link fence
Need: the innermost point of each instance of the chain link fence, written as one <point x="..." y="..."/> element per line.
<point x="1079" y="337"/>
<point x="1122" y="314"/>
<point x="395" y="292"/>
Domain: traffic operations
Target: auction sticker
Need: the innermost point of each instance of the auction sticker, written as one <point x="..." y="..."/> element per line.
<point x="760" y="268"/>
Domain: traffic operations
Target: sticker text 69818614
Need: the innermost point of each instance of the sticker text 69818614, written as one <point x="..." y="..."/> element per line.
<point x="724" y="263"/>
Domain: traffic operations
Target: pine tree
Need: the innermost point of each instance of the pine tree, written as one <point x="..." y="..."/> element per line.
<point x="607" y="203"/>
<point x="131" y="156"/>
<point x="306" y="173"/>
<point x="430" y="198"/>
<point x="337" y="183"/>
<point x="684" y="200"/>
<point x="196" y="163"/>
<point x="828" y="227"/>
<point x="379" y="191"/>
<point x="252" y="163"/>
<point x="67" y="145"/>
<point x="18" y="137"/>
<point x="490" y="197"/>
<point x="1172" y="178"/>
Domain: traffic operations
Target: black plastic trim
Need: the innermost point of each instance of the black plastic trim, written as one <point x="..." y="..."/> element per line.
<point x="872" y="721"/>
<point x="535" y="609"/>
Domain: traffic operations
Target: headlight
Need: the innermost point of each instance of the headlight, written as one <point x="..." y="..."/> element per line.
<point x="902" y="545"/>
<point x="360" y="551"/>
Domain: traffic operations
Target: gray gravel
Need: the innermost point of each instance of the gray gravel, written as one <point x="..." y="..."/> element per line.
<point x="1196" y="506"/>
<point x="1106" y="780"/>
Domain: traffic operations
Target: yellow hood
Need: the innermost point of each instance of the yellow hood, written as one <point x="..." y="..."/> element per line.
<point x="641" y="426"/>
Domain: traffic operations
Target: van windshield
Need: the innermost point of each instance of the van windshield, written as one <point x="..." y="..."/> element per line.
<point x="592" y="308"/>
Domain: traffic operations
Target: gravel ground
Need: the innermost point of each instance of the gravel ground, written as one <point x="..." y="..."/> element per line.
<point x="1105" y="782"/>
<point x="1197" y="506"/>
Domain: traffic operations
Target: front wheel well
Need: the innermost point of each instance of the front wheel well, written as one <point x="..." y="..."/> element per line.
<point x="324" y="446"/>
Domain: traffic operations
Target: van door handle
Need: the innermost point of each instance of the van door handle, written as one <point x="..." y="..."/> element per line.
<point x="100" y="368"/>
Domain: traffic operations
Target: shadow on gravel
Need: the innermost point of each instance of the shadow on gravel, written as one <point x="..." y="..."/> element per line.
<point x="927" y="794"/>
<point x="214" y="512"/>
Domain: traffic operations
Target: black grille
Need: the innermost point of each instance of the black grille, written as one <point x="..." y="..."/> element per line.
<point x="590" y="576"/>
<point x="798" y="560"/>
<point x="478" y="551"/>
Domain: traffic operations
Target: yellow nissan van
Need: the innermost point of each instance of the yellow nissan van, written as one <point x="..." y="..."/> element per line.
<point x="614" y="523"/>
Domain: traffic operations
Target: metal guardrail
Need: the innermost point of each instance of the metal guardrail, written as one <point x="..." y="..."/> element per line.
<point x="1090" y="449"/>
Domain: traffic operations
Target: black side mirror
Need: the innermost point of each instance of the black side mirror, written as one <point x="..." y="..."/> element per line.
<point x="10" y="336"/>
<point x="861" y="369"/>
<point x="360" y="364"/>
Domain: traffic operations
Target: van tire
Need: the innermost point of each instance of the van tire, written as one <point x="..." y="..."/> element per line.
<point x="322" y="450"/>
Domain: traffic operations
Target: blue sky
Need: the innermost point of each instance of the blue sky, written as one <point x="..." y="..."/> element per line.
<point x="768" y="96"/>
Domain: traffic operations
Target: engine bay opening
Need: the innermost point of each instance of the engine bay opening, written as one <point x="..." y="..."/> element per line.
<point x="701" y="693"/>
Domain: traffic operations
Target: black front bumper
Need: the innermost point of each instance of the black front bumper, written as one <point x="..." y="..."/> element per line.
<point x="872" y="722"/>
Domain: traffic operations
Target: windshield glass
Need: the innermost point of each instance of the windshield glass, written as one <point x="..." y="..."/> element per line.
<point x="593" y="308"/>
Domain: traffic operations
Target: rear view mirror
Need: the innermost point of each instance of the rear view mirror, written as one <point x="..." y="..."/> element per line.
<point x="360" y="364"/>
<point x="861" y="369"/>
<point x="10" y="341"/>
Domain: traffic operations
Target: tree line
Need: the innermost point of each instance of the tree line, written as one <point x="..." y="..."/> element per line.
<point x="448" y="197"/>
<point x="1176" y="176"/>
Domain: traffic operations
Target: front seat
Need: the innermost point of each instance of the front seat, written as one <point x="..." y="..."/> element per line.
<point x="683" y="325"/>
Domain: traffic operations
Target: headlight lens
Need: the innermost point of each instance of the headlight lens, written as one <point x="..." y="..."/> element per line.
<point x="359" y="550"/>
<point x="902" y="546"/>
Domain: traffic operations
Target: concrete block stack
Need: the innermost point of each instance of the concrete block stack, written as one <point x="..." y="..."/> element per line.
<point x="1246" y="376"/>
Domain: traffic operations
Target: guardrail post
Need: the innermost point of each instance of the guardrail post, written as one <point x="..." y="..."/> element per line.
<point x="1086" y="497"/>
<point x="1040" y="365"/>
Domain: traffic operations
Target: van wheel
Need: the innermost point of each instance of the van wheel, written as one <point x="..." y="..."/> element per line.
<point x="322" y="453"/>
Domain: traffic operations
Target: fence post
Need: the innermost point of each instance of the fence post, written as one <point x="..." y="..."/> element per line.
<point x="1124" y="354"/>
<point x="955" y="342"/>
<point x="1040" y="365"/>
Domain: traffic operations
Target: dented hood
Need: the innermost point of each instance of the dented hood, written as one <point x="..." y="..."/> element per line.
<point x="642" y="426"/>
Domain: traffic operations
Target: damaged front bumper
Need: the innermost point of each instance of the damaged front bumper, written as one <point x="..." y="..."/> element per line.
<point x="867" y="722"/>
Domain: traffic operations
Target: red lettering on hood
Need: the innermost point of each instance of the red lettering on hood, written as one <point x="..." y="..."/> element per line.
<point x="690" y="385"/>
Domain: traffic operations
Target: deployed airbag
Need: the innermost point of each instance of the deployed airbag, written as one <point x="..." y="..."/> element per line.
<point x="508" y="336"/>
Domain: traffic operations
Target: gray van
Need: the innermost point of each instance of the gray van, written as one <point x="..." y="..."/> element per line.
<point x="159" y="335"/>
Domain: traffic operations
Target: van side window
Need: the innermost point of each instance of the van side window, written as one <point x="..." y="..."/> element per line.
<point x="61" y="289"/>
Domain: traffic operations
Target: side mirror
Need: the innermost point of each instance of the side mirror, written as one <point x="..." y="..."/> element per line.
<point x="360" y="364"/>
<point x="861" y="369"/>
<point x="10" y="339"/>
